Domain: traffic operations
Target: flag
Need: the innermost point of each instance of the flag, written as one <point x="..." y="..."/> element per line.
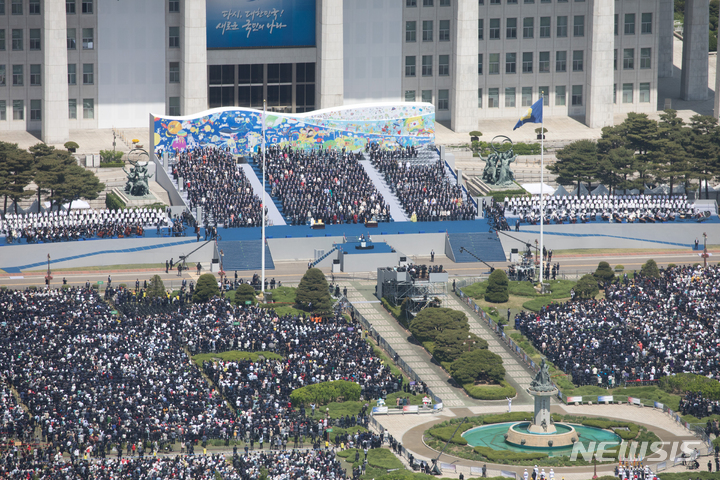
<point x="534" y="115"/>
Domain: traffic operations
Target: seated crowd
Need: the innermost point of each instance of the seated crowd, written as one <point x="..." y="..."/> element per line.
<point x="615" y="208"/>
<point x="693" y="403"/>
<point x="644" y="329"/>
<point x="76" y="224"/>
<point x="425" y="192"/>
<point x="322" y="185"/>
<point x="92" y="381"/>
<point x="214" y="182"/>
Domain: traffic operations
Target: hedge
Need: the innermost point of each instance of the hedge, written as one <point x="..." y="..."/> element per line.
<point x="688" y="382"/>
<point x="325" y="392"/>
<point x="500" y="196"/>
<point x="443" y="433"/>
<point x="508" y="455"/>
<point x="490" y="392"/>
<point x="234" y="356"/>
<point x="629" y="434"/>
<point x="113" y="202"/>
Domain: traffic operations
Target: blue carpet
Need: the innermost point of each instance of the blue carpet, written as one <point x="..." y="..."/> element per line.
<point x="244" y="255"/>
<point x="484" y="245"/>
<point x="349" y="248"/>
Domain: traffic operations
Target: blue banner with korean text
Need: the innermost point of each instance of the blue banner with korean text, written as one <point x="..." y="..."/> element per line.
<point x="260" y="23"/>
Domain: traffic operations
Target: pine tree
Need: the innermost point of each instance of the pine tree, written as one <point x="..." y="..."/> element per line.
<point x="703" y="148"/>
<point x="497" y="290"/>
<point x="576" y="163"/>
<point x="312" y="293"/>
<point x="16" y="173"/>
<point x="156" y="287"/>
<point x="206" y="288"/>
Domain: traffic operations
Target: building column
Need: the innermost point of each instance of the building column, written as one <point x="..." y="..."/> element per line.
<point x="665" y="28"/>
<point x="696" y="38"/>
<point x="329" y="65"/>
<point x="598" y="98"/>
<point x="463" y="94"/>
<point x="193" y="68"/>
<point x="717" y="90"/>
<point x="54" y="112"/>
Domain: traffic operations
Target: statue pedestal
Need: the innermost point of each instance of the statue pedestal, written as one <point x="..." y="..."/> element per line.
<point x="478" y="188"/>
<point x="132" y="202"/>
<point x="542" y="412"/>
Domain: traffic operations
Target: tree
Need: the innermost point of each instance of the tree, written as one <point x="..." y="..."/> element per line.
<point x="703" y="148"/>
<point x="497" y="289"/>
<point x="586" y="287"/>
<point x="111" y="156"/>
<point x="604" y="273"/>
<point x="312" y="293"/>
<point x="478" y="365"/>
<point x="244" y="293"/>
<point x="16" y="173"/>
<point x="48" y="172"/>
<point x="156" y="287"/>
<point x="429" y="323"/>
<point x="77" y="183"/>
<point x="450" y="344"/>
<point x="650" y="269"/>
<point x="206" y="288"/>
<point x="576" y="163"/>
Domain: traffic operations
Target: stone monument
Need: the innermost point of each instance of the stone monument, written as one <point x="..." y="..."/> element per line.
<point x="138" y="180"/>
<point x="497" y="171"/>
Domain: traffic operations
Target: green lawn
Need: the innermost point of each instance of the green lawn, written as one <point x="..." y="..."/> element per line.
<point x="234" y="355"/>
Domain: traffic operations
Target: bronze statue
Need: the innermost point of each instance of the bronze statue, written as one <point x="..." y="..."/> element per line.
<point x="138" y="181"/>
<point x="542" y="382"/>
<point x="497" y="165"/>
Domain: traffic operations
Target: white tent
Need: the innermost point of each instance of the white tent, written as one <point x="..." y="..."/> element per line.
<point x="76" y="205"/>
<point x="534" y="188"/>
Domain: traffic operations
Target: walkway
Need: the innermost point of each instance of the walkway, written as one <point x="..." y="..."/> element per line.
<point x="273" y="213"/>
<point x="397" y="212"/>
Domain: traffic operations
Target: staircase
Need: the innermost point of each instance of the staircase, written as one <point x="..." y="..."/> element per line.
<point x="244" y="255"/>
<point x="268" y="188"/>
<point x="273" y="214"/>
<point x="336" y="247"/>
<point x="485" y="245"/>
<point x="397" y="212"/>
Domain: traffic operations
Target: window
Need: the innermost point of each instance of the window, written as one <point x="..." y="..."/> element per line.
<point x="646" y="25"/>
<point x="17" y="39"/>
<point x="410" y="66"/>
<point x="87" y="38"/>
<point x="545" y="94"/>
<point x="35" y="110"/>
<point x="578" y="56"/>
<point x="544" y="62"/>
<point x="427" y="61"/>
<point x="88" y="108"/>
<point x="577" y="94"/>
<point x="480" y="63"/>
<point x="479" y="97"/>
<point x="645" y="60"/>
<point x="70" y="7"/>
<point x="35" y="76"/>
<point x="71" y="39"/>
<point x="87" y="7"/>
<point x="614" y="92"/>
<point x="174" y="106"/>
<point x="616" y="24"/>
<point x="411" y="3"/>
<point x="426" y="96"/>
<point x="560" y="61"/>
<point x="16" y="7"/>
<point x="527" y="65"/>
<point x="528" y="27"/>
<point x="544" y="27"/>
<point x="562" y="26"/>
<point x="2" y="7"/>
<point x="444" y="31"/>
<point x="627" y="93"/>
<point x="72" y="108"/>
<point x="88" y="74"/>
<point x="174" y="6"/>
<point x="3" y="76"/>
<point x="526" y="96"/>
<point x="511" y="28"/>
<point x="410" y="31"/>
<point x="494" y="29"/>
<point x="510" y="61"/>
<point x="174" y="36"/>
<point x="481" y="24"/>
<point x="509" y="96"/>
<point x="444" y="3"/>
<point x="2" y="39"/>
<point x="18" y="75"/>
<point x="629" y="24"/>
<point x="443" y="99"/>
<point x="18" y="110"/>
<point x="494" y="2"/>
<point x="644" y="93"/>
<point x="34" y="39"/>
<point x="579" y="26"/>
<point x="427" y="3"/>
<point x="174" y="76"/>
<point x="443" y="65"/>
<point x="494" y="67"/>
<point x="628" y="59"/>
<point x="409" y="95"/>
<point x="34" y="7"/>
<point x="72" y="74"/>
<point x="427" y="31"/>
<point x="615" y="60"/>
<point x="529" y="1"/>
<point x="493" y="98"/>
<point x="3" y="110"/>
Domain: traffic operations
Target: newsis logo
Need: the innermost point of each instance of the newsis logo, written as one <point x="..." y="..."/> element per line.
<point x="647" y="451"/>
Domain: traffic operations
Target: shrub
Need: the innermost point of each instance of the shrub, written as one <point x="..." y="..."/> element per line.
<point x="443" y="433"/>
<point x="429" y="323"/>
<point x="156" y="287"/>
<point x="476" y="133"/>
<point x="504" y="456"/>
<point x="206" y="288"/>
<point x="689" y="382"/>
<point x="71" y="145"/>
<point x="604" y="273"/>
<point x="587" y="287"/>
<point x="490" y="392"/>
<point x="325" y="392"/>
<point x="497" y="290"/>
<point x="450" y="344"/>
<point x="244" y="293"/>
<point x="113" y="202"/>
<point x="312" y="294"/>
<point x="619" y="268"/>
<point x="650" y="269"/>
<point x="111" y="156"/>
<point x="478" y="365"/>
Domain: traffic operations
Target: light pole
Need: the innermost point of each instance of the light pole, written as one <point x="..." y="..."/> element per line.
<point x="48" y="277"/>
<point x="222" y="270"/>
<point x="705" y="254"/>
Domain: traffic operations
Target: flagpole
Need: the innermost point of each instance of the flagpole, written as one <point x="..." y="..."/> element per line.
<point x="542" y="178"/>
<point x="262" y="247"/>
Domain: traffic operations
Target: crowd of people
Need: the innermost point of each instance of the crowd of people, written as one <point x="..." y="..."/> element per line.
<point x="610" y="208"/>
<point x="695" y="404"/>
<point x="424" y="190"/>
<point x="644" y="329"/>
<point x="311" y="465"/>
<point x="322" y="186"/>
<point x="79" y="224"/>
<point x="214" y="182"/>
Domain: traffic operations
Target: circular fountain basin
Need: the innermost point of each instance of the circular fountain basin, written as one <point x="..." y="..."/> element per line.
<point x="561" y="435"/>
<point x="493" y="436"/>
